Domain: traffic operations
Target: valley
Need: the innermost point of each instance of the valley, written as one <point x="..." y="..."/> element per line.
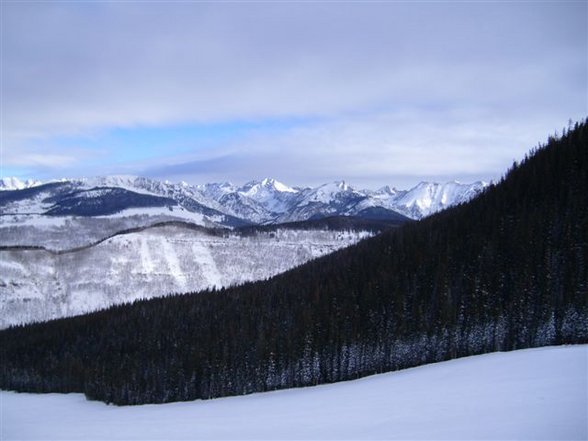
<point x="74" y="246"/>
<point x="41" y="284"/>
<point x="329" y="220"/>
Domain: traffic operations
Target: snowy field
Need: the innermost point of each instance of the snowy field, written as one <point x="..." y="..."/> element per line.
<point x="530" y="394"/>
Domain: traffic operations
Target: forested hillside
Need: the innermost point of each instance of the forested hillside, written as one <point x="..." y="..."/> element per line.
<point x="508" y="270"/>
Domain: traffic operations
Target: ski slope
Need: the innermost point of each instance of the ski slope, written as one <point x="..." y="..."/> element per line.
<point x="529" y="394"/>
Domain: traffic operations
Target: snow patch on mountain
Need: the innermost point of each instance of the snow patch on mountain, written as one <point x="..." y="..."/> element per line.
<point x="12" y="183"/>
<point x="262" y="202"/>
<point x="40" y="285"/>
<point x="327" y="193"/>
<point x="428" y="198"/>
<point x="145" y="253"/>
<point x="272" y="195"/>
<point x="203" y="255"/>
<point x="173" y="213"/>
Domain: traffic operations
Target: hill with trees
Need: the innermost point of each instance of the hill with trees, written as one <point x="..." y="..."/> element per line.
<point x="507" y="270"/>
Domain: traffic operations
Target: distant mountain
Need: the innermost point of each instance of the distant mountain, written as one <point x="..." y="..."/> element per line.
<point x="270" y="201"/>
<point x="16" y="184"/>
<point x="507" y="270"/>
<point x="112" y="196"/>
<point x="96" y="239"/>
<point x="223" y="204"/>
<point x="428" y="197"/>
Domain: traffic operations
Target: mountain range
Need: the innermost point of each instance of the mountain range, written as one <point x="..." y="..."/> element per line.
<point x="223" y="204"/>
<point x="73" y="246"/>
<point x="507" y="270"/>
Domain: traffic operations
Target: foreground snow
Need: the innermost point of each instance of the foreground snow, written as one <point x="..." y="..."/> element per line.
<point x="529" y="394"/>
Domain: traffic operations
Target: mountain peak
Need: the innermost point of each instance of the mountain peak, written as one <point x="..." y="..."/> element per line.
<point x="266" y="185"/>
<point x="342" y="185"/>
<point x="277" y="185"/>
<point x="387" y="190"/>
<point x="13" y="183"/>
<point x="269" y="200"/>
<point x="110" y="180"/>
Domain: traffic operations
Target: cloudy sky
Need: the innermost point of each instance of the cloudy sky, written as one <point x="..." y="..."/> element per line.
<point x="307" y="92"/>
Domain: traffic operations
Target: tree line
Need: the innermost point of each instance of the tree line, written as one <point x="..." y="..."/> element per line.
<point x="505" y="271"/>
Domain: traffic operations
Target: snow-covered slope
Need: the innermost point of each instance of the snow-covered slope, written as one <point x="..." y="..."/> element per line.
<point x="9" y="183"/>
<point x="271" y="194"/>
<point x="269" y="201"/>
<point x="534" y="394"/>
<point x="74" y="213"/>
<point x="258" y="201"/>
<point x="262" y="202"/>
<point x="326" y="200"/>
<point x="427" y="198"/>
<point x="67" y="214"/>
<point x="110" y="196"/>
<point x="38" y="285"/>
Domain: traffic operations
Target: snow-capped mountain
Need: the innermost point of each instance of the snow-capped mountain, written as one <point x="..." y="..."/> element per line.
<point x="426" y="198"/>
<point x="260" y="202"/>
<point x="112" y="196"/>
<point x="236" y="202"/>
<point x="16" y="184"/>
<point x="272" y="195"/>
<point x="69" y="246"/>
<point x="257" y="201"/>
<point x="270" y="201"/>
<point x="336" y="198"/>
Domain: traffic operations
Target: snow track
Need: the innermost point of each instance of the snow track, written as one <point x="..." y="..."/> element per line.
<point x="146" y="259"/>
<point x="171" y="259"/>
<point x="38" y="284"/>
<point x="203" y="257"/>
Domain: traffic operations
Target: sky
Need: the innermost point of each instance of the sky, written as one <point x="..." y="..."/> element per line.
<point x="372" y="92"/>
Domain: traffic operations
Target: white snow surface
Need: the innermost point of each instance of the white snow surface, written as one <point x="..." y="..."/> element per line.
<point x="270" y="194"/>
<point x="426" y="197"/>
<point x="37" y="285"/>
<point x="328" y="192"/>
<point x="179" y="213"/>
<point x="11" y="183"/>
<point x="265" y="201"/>
<point x="532" y="394"/>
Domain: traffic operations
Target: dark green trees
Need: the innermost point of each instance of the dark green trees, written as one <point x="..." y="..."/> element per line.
<point x="505" y="271"/>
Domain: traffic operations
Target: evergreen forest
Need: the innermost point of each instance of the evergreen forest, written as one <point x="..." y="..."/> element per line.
<point x="508" y="270"/>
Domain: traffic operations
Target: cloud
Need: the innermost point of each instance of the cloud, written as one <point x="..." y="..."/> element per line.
<point x="408" y="85"/>
<point x="399" y="149"/>
<point x="43" y="159"/>
<point x="71" y="67"/>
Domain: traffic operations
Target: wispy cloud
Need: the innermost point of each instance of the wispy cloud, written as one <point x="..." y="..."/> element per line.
<point x="369" y="150"/>
<point x="444" y="88"/>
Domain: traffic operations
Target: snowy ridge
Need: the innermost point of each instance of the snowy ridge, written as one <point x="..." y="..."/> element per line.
<point x="39" y="285"/>
<point x="111" y="196"/>
<point x="9" y="183"/>
<point x="427" y="198"/>
<point x="270" y="201"/>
